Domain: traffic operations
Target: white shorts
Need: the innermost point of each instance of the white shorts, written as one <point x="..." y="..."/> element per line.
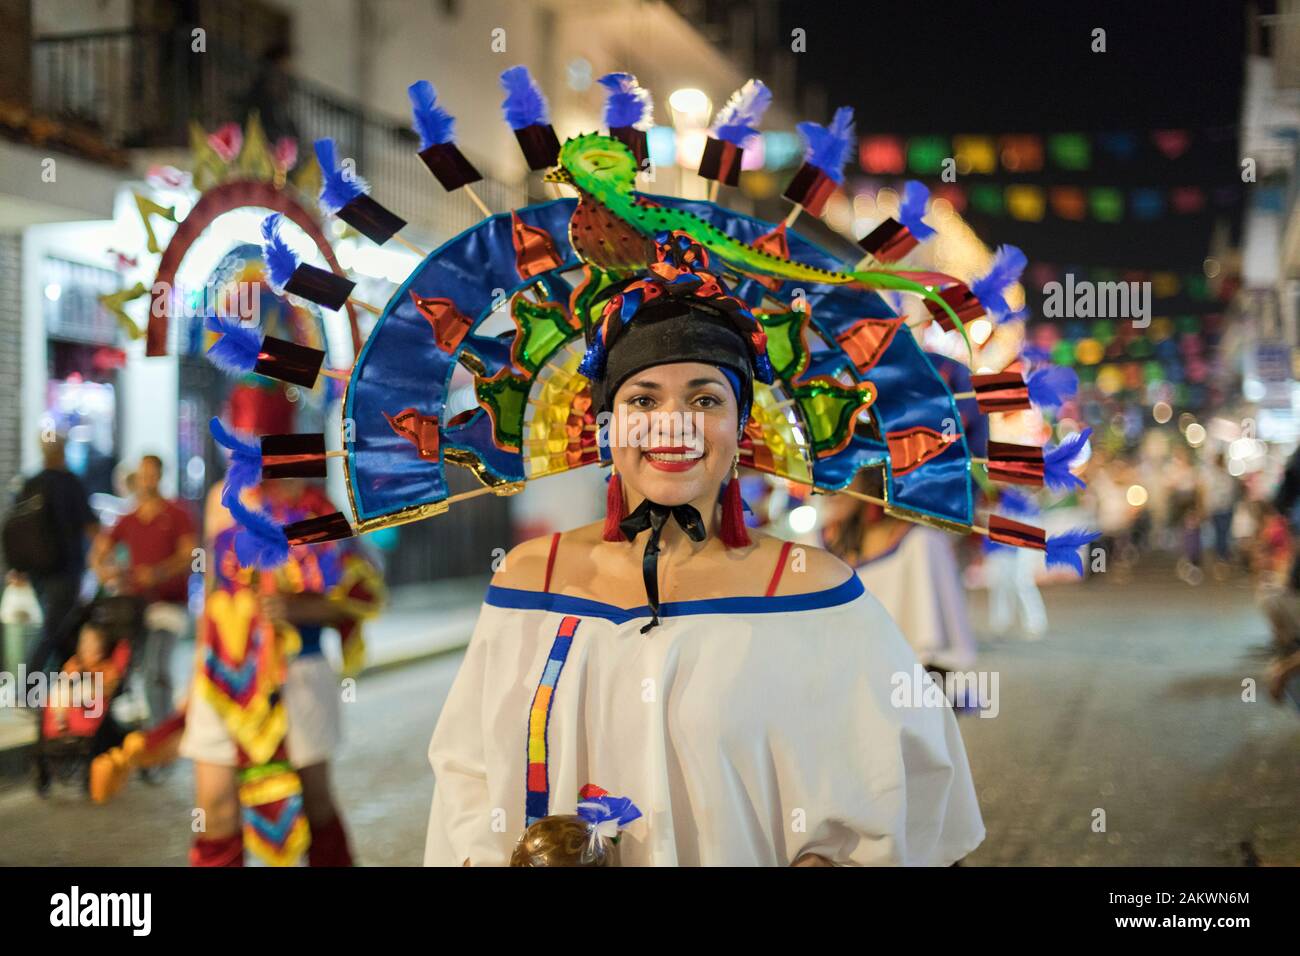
<point x="312" y="699"/>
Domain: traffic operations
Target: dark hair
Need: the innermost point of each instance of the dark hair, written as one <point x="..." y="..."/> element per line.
<point x="158" y="462"/>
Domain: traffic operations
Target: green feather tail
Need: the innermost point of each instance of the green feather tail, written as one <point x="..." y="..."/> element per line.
<point x="876" y="279"/>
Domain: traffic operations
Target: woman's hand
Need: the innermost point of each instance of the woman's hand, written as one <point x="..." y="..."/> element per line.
<point x="812" y="859"/>
<point x="274" y="608"/>
<point x="299" y="609"/>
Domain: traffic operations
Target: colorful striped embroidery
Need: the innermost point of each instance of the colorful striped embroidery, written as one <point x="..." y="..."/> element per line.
<point x="538" y="799"/>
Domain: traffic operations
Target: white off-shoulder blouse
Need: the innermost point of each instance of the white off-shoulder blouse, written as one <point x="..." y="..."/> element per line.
<point x="749" y="730"/>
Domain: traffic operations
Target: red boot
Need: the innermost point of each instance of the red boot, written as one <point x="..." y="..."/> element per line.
<point x="218" y="851"/>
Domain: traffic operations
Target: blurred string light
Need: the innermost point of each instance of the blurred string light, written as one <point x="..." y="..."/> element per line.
<point x="690" y="148"/>
<point x="1162" y="412"/>
<point x="663" y="145"/>
<point x="690" y="107"/>
<point x="1136" y="496"/>
<point x="578" y="74"/>
<point x="781" y="149"/>
<point x="1244" y="448"/>
<point x="1195" y="434"/>
<point x="887" y="203"/>
<point x="803" y="519"/>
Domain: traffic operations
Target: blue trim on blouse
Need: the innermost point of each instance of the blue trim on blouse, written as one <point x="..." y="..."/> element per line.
<point x="523" y="600"/>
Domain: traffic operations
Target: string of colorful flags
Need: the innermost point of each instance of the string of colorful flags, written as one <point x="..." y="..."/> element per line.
<point x="990" y="154"/>
<point x="1165" y="284"/>
<point x="1033" y="203"/>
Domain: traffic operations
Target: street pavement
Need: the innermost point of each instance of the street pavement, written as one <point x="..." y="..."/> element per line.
<point x="1130" y="707"/>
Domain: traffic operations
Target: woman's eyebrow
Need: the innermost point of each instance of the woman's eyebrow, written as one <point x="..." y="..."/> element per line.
<point x="646" y="383"/>
<point x="696" y="382"/>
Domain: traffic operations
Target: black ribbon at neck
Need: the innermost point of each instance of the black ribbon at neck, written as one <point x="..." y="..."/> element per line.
<point x="652" y="515"/>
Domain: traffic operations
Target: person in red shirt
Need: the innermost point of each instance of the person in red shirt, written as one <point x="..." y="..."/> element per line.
<point x="159" y="540"/>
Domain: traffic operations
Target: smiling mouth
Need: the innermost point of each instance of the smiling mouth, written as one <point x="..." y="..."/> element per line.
<point x="677" y="458"/>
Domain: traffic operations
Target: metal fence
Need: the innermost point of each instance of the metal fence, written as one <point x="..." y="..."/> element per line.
<point x="141" y="89"/>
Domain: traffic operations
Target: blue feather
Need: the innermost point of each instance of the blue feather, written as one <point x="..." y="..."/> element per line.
<point x="1050" y="387"/>
<point x="1016" y="504"/>
<point x="237" y="350"/>
<point x="261" y="542"/>
<point x="737" y="121"/>
<point x="915" y="196"/>
<point x="1008" y="263"/>
<point x="340" y="186"/>
<point x="829" y="147"/>
<point x="1020" y="315"/>
<point x="434" y="124"/>
<point x="245" y="458"/>
<point x="1032" y="353"/>
<point x="1063" y="549"/>
<point x="592" y="365"/>
<point x="629" y="103"/>
<point x="1057" y="462"/>
<point x="280" y="259"/>
<point x="524" y="104"/>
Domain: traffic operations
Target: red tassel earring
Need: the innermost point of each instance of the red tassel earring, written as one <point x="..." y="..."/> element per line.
<point x="615" y="508"/>
<point x="732" y="531"/>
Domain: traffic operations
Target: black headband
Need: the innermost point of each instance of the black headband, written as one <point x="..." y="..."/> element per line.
<point x="671" y="333"/>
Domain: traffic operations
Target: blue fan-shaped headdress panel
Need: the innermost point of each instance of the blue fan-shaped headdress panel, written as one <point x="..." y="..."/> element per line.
<point x="402" y="367"/>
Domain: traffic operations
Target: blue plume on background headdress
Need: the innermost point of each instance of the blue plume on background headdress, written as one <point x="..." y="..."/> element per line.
<point x="1032" y="353"/>
<point x="1008" y="263"/>
<point x="434" y="125"/>
<point x="1015" y="503"/>
<point x="915" y="196"/>
<point x="280" y="259"/>
<point x="628" y="104"/>
<point x="340" y="186"/>
<point x="245" y="458"/>
<point x="737" y="121"/>
<point x="261" y="543"/>
<point x="1063" y="549"/>
<point x="524" y="104"/>
<point x="1050" y="387"/>
<point x="1020" y="315"/>
<point x="829" y="147"/>
<point x="1057" y="462"/>
<point x="236" y="351"/>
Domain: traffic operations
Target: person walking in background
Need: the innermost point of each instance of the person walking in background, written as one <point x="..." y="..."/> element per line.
<point x="1186" y="514"/>
<point x="45" y="537"/>
<point x="158" y="538"/>
<point x="1220" y="499"/>
<point x="1015" y="603"/>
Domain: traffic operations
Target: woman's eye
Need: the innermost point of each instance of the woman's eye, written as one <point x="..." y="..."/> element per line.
<point x="640" y="401"/>
<point x="708" y="401"/>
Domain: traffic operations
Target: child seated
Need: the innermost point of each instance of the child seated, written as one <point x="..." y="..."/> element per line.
<point x="79" y="698"/>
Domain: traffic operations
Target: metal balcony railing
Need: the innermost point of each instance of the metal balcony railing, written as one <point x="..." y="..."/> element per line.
<point x="141" y="89"/>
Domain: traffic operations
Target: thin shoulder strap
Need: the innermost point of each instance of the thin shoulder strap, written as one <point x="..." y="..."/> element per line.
<point x="550" y="560"/>
<point x="780" y="566"/>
